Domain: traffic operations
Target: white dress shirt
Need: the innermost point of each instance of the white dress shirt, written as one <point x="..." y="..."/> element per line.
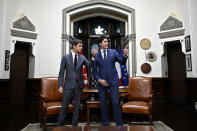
<point x="102" y="53"/>
<point x="73" y="55"/>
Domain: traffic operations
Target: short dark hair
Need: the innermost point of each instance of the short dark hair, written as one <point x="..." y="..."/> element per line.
<point x="101" y="38"/>
<point x="76" y="41"/>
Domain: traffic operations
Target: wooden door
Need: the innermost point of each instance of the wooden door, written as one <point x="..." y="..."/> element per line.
<point x="19" y="73"/>
<point x="177" y="71"/>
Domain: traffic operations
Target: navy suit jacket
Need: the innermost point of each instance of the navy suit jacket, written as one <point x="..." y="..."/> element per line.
<point x="106" y="69"/>
<point x="72" y="75"/>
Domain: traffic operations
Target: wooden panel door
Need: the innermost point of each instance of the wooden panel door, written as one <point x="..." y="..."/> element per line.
<point x="19" y="73"/>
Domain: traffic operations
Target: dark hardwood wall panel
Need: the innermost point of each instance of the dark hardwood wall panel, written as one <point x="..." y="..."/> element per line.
<point x="161" y="92"/>
<point x="4" y="94"/>
<point x="191" y="91"/>
<point x="33" y="89"/>
<point x="32" y="98"/>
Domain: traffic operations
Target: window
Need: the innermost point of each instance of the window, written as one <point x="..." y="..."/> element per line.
<point x="98" y="29"/>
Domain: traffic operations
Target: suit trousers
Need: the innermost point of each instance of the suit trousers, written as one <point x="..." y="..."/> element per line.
<point x="114" y="94"/>
<point x="67" y="96"/>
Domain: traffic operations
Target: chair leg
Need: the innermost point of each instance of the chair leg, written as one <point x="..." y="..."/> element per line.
<point x="41" y="119"/>
<point x="44" y="123"/>
<point x="41" y="123"/>
<point x="41" y="114"/>
<point x="88" y="116"/>
<point x="150" y="119"/>
<point x="128" y="118"/>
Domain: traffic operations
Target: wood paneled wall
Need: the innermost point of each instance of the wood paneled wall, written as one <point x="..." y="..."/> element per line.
<point x="161" y="90"/>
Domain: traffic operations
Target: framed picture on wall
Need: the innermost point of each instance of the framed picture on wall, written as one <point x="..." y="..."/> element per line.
<point x="188" y="62"/>
<point x="187" y="43"/>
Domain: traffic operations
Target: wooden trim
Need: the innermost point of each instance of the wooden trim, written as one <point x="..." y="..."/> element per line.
<point x="5" y="80"/>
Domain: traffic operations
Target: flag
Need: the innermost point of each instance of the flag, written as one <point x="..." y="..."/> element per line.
<point x="84" y="73"/>
<point x="94" y="83"/>
<point x="122" y="72"/>
<point x="119" y="72"/>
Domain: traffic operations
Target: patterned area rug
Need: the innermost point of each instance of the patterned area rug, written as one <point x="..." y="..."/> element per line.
<point x="158" y="126"/>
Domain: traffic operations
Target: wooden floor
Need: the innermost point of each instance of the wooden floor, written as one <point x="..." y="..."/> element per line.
<point x="179" y="118"/>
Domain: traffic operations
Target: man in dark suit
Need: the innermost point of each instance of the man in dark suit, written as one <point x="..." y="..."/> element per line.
<point x="73" y="82"/>
<point x="104" y="71"/>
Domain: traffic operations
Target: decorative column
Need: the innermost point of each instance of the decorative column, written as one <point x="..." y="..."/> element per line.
<point x="131" y="42"/>
<point x="66" y="44"/>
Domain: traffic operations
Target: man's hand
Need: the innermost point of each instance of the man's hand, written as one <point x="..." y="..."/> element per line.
<point x="125" y="52"/>
<point x="103" y="82"/>
<point x="94" y="52"/>
<point x="60" y="90"/>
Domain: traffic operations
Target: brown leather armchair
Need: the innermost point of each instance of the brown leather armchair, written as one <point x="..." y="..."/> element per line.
<point x="139" y="97"/>
<point x="50" y="99"/>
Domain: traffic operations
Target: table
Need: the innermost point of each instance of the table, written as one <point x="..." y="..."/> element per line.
<point x="96" y="103"/>
<point x="87" y="90"/>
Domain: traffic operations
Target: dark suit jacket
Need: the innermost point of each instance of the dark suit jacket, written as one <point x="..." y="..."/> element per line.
<point x="72" y="75"/>
<point x="106" y="69"/>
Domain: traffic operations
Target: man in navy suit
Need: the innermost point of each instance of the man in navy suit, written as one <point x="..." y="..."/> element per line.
<point x="73" y="81"/>
<point x="104" y="71"/>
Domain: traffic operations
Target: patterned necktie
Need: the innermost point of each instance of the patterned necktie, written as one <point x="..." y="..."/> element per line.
<point x="105" y="56"/>
<point x="75" y="61"/>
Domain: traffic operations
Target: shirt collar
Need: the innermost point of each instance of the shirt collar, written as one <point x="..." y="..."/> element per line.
<point x="73" y="54"/>
<point x="103" y="50"/>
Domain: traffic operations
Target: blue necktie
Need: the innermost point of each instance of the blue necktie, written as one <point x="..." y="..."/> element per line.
<point x="105" y="56"/>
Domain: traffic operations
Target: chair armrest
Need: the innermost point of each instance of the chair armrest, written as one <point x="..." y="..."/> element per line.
<point x="42" y="100"/>
<point x="42" y="97"/>
<point x="125" y="95"/>
<point x="151" y="96"/>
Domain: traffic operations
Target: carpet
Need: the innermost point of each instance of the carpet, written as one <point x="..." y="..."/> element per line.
<point x="158" y="126"/>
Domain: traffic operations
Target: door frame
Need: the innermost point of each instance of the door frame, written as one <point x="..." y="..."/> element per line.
<point x="104" y="8"/>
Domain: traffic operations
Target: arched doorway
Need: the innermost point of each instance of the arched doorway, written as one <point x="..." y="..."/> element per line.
<point x="101" y="8"/>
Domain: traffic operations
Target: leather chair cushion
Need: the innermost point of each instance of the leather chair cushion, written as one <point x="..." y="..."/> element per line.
<point x="50" y="89"/>
<point x="55" y="107"/>
<point x="136" y="107"/>
<point x="140" y="88"/>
